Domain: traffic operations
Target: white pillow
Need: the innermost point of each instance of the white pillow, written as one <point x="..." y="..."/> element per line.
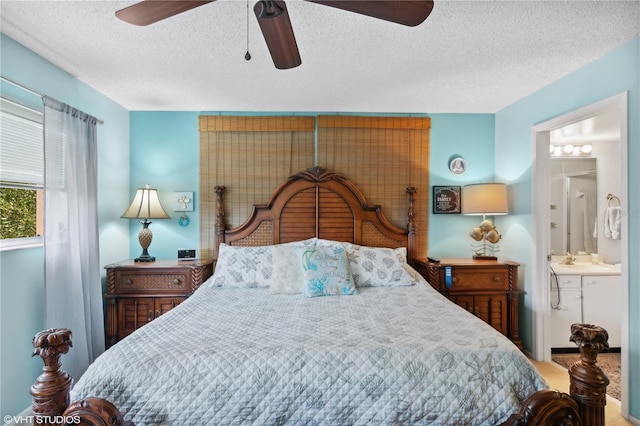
<point x="287" y="271"/>
<point x="378" y="266"/>
<point x="248" y="267"/>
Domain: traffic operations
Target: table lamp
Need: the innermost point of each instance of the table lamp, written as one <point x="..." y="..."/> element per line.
<point x="145" y="205"/>
<point x="485" y="199"/>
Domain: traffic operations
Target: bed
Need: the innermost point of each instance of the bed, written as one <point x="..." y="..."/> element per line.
<point x="314" y="316"/>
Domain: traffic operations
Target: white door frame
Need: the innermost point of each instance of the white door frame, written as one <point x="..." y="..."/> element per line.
<point x="540" y="134"/>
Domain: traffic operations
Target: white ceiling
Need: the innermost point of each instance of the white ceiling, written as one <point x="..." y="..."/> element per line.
<point x="468" y="56"/>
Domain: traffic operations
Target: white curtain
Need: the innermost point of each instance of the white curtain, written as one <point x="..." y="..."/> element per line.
<point x="73" y="289"/>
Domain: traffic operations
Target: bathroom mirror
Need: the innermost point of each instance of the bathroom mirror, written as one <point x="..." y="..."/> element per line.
<point x="573" y="204"/>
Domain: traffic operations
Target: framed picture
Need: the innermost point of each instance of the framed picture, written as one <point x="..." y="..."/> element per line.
<point x="446" y="200"/>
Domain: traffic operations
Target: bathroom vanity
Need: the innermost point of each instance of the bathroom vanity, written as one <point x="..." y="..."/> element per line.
<point x="585" y="293"/>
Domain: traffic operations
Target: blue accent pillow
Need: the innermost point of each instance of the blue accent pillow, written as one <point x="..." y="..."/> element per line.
<point x="326" y="272"/>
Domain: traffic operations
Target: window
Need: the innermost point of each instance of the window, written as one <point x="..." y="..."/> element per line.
<point x="21" y="176"/>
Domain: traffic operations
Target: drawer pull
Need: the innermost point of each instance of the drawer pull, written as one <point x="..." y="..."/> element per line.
<point x="496" y="278"/>
<point x="157" y="314"/>
<point x="176" y="281"/>
<point x="477" y="311"/>
<point x="454" y="279"/>
<point x="128" y="281"/>
<point x="150" y="317"/>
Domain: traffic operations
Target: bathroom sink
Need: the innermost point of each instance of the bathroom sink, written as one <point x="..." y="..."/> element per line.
<point x="585" y="268"/>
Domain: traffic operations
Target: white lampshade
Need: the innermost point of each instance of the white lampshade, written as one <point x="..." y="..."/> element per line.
<point x="145" y="205"/>
<point x="485" y="199"/>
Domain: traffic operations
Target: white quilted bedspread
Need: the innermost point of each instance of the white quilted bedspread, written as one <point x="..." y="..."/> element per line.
<point x="387" y="356"/>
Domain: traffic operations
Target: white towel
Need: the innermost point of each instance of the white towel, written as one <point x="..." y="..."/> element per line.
<point x="612" y="222"/>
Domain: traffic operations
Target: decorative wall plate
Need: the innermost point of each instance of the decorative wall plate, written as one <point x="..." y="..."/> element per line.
<point x="458" y="165"/>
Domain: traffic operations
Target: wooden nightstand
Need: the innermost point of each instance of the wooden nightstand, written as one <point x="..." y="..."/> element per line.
<point x="486" y="288"/>
<point x="138" y="292"/>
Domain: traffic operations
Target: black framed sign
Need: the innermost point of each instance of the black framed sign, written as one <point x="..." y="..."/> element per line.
<point x="446" y="200"/>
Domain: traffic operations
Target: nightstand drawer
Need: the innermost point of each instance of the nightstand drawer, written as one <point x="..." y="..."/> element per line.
<point x="158" y="283"/>
<point x="479" y="279"/>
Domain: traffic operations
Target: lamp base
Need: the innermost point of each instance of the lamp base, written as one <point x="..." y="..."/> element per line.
<point x="484" y="257"/>
<point x="144" y="238"/>
<point x="144" y="258"/>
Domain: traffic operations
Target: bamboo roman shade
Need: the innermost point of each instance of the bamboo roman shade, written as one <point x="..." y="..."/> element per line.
<point x="382" y="156"/>
<point x="252" y="155"/>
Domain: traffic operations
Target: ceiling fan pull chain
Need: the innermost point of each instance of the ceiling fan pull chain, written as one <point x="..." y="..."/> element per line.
<point x="247" y="55"/>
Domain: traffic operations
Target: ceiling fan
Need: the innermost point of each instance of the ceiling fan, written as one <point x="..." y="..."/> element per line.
<point x="274" y="20"/>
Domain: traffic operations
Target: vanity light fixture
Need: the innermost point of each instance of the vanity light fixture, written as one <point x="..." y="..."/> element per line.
<point x="586" y="149"/>
<point x="571" y="150"/>
<point x="145" y="205"/>
<point x="485" y="199"/>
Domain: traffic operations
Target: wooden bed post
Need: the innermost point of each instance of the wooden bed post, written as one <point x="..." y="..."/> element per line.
<point x="588" y="382"/>
<point x="220" y="226"/>
<point x="588" y="388"/>
<point x="50" y="392"/>
<point x="411" y="224"/>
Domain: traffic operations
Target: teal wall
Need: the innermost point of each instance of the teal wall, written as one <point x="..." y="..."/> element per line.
<point x="469" y="136"/>
<point x="165" y="154"/>
<point x="22" y="276"/>
<point x="616" y="72"/>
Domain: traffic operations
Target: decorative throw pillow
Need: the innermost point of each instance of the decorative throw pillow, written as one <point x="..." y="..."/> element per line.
<point x="287" y="273"/>
<point x="326" y="272"/>
<point x="248" y="267"/>
<point x="379" y="267"/>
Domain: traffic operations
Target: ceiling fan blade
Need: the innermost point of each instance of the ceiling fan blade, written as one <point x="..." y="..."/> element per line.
<point x="278" y="33"/>
<point x="151" y="11"/>
<point x="405" y="12"/>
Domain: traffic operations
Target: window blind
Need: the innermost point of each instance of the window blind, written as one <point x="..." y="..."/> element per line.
<point x="21" y="149"/>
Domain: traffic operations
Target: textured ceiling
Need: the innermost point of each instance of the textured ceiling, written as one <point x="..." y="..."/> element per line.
<point x="468" y="56"/>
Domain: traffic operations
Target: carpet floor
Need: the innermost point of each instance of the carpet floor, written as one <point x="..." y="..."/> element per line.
<point x="608" y="362"/>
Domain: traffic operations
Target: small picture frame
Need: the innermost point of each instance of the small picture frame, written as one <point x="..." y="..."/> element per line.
<point x="447" y="200"/>
<point x="183" y="201"/>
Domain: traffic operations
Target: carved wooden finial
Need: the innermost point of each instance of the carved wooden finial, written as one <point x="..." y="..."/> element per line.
<point x="50" y="392"/>
<point x="590" y="340"/>
<point x="50" y="344"/>
<point x="588" y="383"/>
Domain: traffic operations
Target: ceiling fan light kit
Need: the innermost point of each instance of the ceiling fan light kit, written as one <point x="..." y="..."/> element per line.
<point x="274" y="21"/>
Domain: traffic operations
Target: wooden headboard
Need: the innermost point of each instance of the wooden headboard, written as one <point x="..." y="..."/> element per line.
<point x="322" y="204"/>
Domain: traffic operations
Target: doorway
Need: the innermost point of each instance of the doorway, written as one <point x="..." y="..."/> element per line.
<point x="541" y="139"/>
